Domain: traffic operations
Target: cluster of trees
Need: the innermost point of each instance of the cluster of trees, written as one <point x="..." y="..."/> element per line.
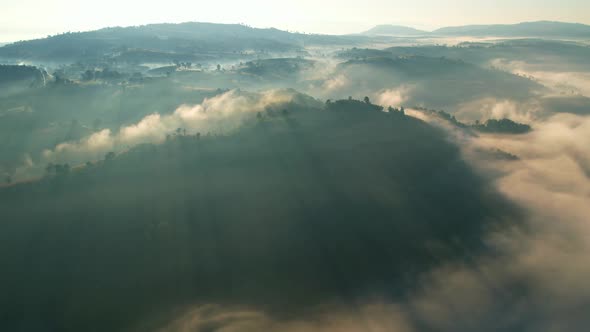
<point x="395" y="110"/>
<point x="11" y="73"/>
<point x="276" y="67"/>
<point x="352" y="105"/>
<point x="57" y="169"/>
<point x="184" y="65"/>
<point x="450" y="118"/>
<point x="502" y="126"/>
<point x="177" y="132"/>
<point x="181" y="132"/>
<point x="106" y="73"/>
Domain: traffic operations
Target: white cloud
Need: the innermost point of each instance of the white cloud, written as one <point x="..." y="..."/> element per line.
<point x="394" y="97"/>
<point x="223" y="112"/>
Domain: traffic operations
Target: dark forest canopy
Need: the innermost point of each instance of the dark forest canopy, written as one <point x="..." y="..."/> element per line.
<point x="294" y="210"/>
<point x="502" y="126"/>
<point x="11" y="74"/>
<point x="494" y="126"/>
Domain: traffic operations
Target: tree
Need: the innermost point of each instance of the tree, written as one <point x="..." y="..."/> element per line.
<point x="109" y="156"/>
<point x="259" y="116"/>
<point x="50" y="168"/>
<point x="367" y="100"/>
<point x="218" y="67"/>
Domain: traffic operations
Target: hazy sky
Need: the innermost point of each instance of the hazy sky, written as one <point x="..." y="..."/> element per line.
<point x="24" y="19"/>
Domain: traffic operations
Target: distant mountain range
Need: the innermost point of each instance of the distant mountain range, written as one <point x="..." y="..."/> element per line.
<point x="195" y="42"/>
<point x="526" y="29"/>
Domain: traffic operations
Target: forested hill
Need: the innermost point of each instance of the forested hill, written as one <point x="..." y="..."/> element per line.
<point x="295" y="209"/>
<point x="192" y="40"/>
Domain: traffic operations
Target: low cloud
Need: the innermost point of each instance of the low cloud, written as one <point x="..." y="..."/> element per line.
<point x="336" y="83"/>
<point x="394" y="97"/>
<point x="493" y="108"/>
<point x="221" y="113"/>
<point x="561" y="82"/>
<point x="546" y="258"/>
<point x="378" y="317"/>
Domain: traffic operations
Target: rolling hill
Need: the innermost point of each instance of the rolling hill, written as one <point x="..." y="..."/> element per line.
<point x="325" y="205"/>
<point x="166" y="42"/>
<point x="394" y="30"/>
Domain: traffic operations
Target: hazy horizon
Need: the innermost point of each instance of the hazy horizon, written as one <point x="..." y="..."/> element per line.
<point x="301" y="16"/>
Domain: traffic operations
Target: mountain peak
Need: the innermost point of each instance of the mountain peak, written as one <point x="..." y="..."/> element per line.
<point x="391" y="30"/>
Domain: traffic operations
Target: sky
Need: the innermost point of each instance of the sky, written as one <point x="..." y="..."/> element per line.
<point x="27" y="19"/>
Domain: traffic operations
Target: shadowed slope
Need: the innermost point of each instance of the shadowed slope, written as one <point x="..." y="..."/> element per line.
<point x="294" y="210"/>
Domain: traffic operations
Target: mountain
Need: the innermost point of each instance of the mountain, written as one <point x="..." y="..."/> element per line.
<point x="191" y="41"/>
<point x="296" y="209"/>
<point x="526" y="29"/>
<point x="394" y="30"/>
